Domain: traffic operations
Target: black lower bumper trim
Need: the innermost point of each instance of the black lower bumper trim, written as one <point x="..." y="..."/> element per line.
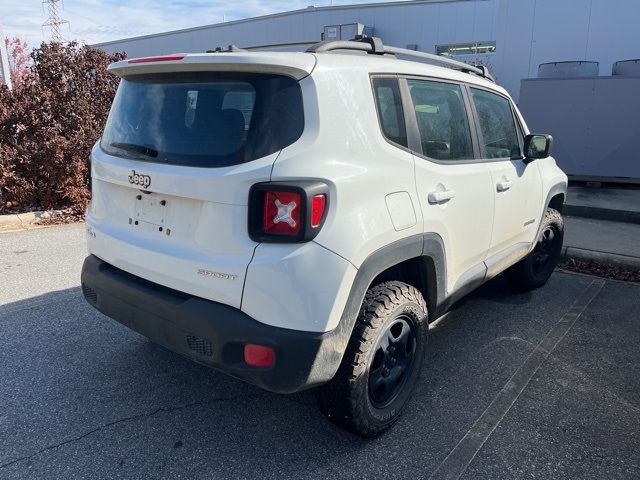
<point x="212" y="333"/>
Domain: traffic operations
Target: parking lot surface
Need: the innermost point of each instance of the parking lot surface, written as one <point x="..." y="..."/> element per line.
<point x="543" y="384"/>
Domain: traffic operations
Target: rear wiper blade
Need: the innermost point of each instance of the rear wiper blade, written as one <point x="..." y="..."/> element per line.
<point x="132" y="147"/>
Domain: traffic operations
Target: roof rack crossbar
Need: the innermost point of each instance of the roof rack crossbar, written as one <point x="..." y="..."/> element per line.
<point x="374" y="45"/>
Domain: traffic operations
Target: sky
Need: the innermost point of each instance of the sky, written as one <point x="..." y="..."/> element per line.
<point x="94" y="21"/>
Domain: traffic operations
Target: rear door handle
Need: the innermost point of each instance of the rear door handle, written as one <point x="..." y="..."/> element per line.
<point x="504" y="185"/>
<point x="441" y="196"/>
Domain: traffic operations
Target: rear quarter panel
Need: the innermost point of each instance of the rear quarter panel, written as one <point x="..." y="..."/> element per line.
<point x="343" y="146"/>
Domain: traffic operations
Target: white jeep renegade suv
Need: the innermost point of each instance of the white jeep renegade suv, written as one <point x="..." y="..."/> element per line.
<point x="296" y="219"/>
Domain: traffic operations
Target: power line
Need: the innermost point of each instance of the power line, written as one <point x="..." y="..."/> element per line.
<point x="54" y="21"/>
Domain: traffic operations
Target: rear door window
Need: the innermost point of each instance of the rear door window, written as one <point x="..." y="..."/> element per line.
<point x="442" y="120"/>
<point x="203" y="119"/>
<point x="500" y="137"/>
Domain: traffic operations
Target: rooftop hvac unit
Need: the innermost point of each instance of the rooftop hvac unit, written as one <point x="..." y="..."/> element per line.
<point x="626" y="67"/>
<point x="347" y="31"/>
<point x="568" y="69"/>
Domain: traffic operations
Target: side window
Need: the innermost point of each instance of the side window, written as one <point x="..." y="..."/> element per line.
<point x="442" y="120"/>
<point x="390" y="113"/>
<point x="500" y="136"/>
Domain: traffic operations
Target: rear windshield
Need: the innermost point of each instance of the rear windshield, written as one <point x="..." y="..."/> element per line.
<point x="203" y="119"/>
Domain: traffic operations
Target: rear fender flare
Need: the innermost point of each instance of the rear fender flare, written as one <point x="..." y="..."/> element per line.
<point x="425" y="245"/>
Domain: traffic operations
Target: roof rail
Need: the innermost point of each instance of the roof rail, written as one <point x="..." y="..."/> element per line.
<point x="374" y="46"/>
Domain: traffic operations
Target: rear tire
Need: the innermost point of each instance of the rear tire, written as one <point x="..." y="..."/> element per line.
<point x="382" y="361"/>
<point x="535" y="269"/>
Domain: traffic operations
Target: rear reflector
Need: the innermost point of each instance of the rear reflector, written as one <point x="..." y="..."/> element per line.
<point x="317" y="209"/>
<point x="166" y="58"/>
<point x="258" y="355"/>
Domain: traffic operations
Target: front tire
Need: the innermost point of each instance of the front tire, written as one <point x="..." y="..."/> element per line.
<point x="382" y="361"/>
<point x="535" y="269"/>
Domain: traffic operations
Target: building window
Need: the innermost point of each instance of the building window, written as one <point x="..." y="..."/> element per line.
<point x="466" y="49"/>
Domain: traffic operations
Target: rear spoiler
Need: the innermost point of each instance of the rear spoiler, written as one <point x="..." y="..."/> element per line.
<point x="293" y="64"/>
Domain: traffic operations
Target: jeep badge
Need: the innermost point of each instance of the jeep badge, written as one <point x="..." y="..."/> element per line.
<point x="138" y="179"/>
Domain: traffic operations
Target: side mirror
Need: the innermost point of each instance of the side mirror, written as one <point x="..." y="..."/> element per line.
<point x="537" y="146"/>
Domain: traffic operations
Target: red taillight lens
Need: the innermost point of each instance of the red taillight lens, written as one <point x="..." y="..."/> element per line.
<point x="164" y="58"/>
<point x="318" y="205"/>
<point x="258" y="355"/>
<point x="287" y="212"/>
<point x="281" y="214"/>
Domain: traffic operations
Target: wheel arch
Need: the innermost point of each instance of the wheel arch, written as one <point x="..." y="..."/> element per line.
<point x="420" y="272"/>
<point x="557" y="202"/>
<point x="556" y="196"/>
<point x="418" y="260"/>
<point x="555" y="199"/>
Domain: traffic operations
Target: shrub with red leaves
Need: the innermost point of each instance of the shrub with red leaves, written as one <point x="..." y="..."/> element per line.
<point x="48" y="125"/>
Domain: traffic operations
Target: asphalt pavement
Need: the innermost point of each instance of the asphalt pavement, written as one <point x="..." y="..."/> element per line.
<point x="543" y="384"/>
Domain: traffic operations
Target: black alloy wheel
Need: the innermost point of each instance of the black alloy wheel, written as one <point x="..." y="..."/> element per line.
<point x="392" y="362"/>
<point x="545" y="249"/>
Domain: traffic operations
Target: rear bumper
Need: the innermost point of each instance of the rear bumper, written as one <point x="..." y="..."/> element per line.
<point x="212" y="333"/>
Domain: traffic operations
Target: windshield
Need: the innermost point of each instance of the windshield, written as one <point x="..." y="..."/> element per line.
<point x="203" y="119"/>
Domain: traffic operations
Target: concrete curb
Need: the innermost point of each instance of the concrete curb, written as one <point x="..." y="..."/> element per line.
<point x="23" y="220"/>
<point x="597" y="213"/>
<point x="603" y="258"/>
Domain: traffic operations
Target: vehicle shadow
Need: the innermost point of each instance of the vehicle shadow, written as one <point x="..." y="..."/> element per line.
<point x="498" y="290"/>
<point x="81" y="390"/>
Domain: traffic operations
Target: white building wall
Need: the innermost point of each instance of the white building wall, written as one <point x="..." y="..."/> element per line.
<point x="531" y="32"/>
<point x="425" y="23"/>
<point x="527" y="32"/>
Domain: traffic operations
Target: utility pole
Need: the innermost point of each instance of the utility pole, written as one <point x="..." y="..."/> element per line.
<point x="53" y="20"/>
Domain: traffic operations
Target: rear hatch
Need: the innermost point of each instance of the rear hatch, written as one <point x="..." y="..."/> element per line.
<point x="185" y="140"/>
